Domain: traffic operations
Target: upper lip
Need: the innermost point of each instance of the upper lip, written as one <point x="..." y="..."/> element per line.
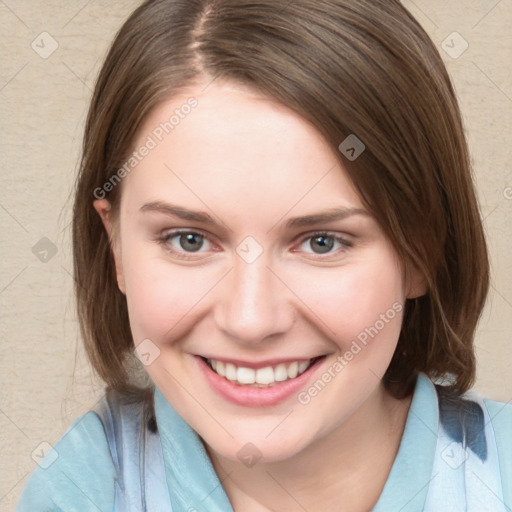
<point x="260" y="364"/>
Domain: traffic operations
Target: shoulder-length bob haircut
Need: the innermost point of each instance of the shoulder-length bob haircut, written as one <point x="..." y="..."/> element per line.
<point x="362" y="67"/>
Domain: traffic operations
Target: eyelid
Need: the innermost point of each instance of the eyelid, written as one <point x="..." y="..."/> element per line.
<point x="166" y="235"/>
<point x="344" y="241"/>
<point x="323" y="232"/>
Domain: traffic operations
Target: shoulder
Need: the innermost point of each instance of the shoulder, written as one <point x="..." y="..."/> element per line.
<point x="501" y="417"/>
<point x="473" y="415"/>
<point x="476" y="434"/>
<point x="78" y="473"/>
<point x="501" y="421"/>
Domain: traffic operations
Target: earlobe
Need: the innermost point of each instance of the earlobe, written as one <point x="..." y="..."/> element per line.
<point x="416" y="283"/>
<point x="103" y="207"/>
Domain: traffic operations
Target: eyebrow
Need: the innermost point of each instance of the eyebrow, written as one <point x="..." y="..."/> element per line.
<point x="330" y="215"/>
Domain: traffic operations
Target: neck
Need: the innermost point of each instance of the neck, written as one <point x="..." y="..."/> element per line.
<point x="344" y="471"/>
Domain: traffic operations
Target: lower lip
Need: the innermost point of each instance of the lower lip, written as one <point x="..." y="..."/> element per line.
<point x="254" y="396"/>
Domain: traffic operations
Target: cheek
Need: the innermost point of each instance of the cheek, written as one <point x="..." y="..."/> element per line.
<point x="351" y="302"/>
<point x="355" y="302"/>
<point x="162" y="298"/>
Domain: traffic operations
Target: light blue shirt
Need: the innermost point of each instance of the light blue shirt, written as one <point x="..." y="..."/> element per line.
<point x="115" y="464"/>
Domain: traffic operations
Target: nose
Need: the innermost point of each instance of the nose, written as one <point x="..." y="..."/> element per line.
<point x="255" y="304"/>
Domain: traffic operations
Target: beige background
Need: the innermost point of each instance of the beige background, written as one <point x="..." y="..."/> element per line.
<point x="45" y="380"/>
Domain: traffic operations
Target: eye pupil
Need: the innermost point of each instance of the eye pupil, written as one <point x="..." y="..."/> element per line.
<point x="323" y="243"/>
<point x="191" y="242"/>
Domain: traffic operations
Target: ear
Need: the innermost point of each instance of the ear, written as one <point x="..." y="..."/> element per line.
<point x="103" y="207"/>
<point x="416" y="284"/>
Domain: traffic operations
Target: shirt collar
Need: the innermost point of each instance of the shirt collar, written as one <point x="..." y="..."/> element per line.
<point x="194" y="484"/>
<point x="192" y="480"/>
<point x="408" y="481"/>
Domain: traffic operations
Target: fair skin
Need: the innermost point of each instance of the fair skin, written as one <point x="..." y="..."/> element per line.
<point x="253" y="165"/>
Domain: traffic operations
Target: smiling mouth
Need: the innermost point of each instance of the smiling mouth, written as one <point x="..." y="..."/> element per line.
<point x="267" y="376"/>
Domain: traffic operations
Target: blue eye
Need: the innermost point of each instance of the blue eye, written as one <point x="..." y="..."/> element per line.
<point x="186" y="244"/>
<point x="324" y="243"/>
<point x="184" y="241"/>
<point x="190" y="241"/>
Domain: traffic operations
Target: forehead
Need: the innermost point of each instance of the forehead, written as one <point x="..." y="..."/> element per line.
<point x="235" y="148"/>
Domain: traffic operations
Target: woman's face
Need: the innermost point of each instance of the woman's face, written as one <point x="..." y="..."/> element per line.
<point x="241" y="241"/>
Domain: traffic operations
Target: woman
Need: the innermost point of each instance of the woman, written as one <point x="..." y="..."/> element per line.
<point x="275" y="210"/>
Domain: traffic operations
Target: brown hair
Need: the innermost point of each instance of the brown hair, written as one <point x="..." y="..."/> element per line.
<point x="362" y="67"/>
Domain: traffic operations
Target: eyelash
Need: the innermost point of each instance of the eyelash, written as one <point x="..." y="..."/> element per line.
<point x="165" y="239"/>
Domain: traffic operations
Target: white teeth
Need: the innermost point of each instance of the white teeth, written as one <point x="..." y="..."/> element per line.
<point x="230" y="371"/>
<point x="302" y="366"/>
<point x="280" y="373"/>
<point x="261" y="377"/>
<point x="265" y="375"/>
<point x="220" y="369"/>
<point x="293" y="370"/>
<point x="246" y="375"/>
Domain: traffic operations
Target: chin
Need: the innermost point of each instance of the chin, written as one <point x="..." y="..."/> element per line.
<point x="251" y="446"/>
